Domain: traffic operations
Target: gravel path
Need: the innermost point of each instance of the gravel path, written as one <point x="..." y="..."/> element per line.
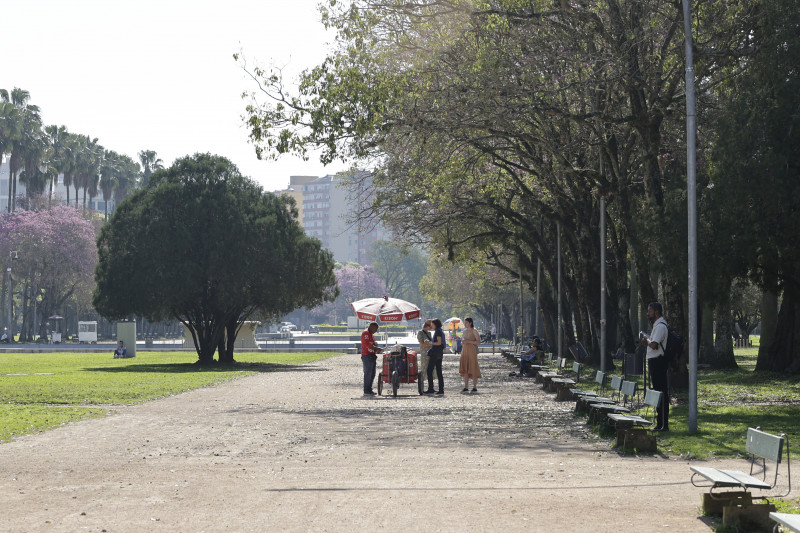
<point x="301" y="450"/>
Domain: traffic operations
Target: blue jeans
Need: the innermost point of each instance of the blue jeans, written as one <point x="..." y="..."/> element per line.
<point x="369" y="362"/>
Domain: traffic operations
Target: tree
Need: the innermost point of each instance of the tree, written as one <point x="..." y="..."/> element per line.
<point x="355" y="282"/>
<point x="489" y="117"/>
<point x="56" y="257"/>
<point x="23" y="147"/>
<point x="109" y="170"/>
<point x="150" y="163"/>
<point x="400" y="268"/>
<point x="755" y="170"/>
<point x="206" y="246"/>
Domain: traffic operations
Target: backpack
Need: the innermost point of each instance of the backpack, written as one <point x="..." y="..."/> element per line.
<point x="673" y="347"/>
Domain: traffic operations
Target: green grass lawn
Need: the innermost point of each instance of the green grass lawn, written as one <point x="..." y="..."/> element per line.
<point x="43" y="390"/>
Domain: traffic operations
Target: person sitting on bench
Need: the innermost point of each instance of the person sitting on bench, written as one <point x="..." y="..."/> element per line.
<point x="532" y="355"/>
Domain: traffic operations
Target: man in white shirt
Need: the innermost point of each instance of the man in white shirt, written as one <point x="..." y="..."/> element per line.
<point x="657" y="363"/>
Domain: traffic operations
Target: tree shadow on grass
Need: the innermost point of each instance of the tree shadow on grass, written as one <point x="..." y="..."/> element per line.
<point x="193" y="368"/>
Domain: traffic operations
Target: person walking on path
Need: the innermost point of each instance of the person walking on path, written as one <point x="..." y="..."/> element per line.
<point x="657" y="363"/>
<point x="369" y="356"/>
<point x="468" y="367"/>
<point x="424" y="338"/>
<point x="435" y="356"/>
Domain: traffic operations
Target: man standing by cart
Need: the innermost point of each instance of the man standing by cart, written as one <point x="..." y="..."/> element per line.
<point x="424" y="338"/>
<point x="369" y="356"/>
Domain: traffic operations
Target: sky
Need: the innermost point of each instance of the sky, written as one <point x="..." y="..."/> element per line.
<point x="160" y="74"/>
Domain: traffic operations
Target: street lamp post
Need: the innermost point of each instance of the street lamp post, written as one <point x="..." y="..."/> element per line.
<point x="11" y="256"/>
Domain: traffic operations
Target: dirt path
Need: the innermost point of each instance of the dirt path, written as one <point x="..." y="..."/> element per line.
<point x="301" y="450"/>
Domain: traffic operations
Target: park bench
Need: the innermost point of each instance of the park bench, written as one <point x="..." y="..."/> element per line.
<point x="544" y="377"/>
<point x="600" y="385"/>
<point x="789" y="522"/>
<point x="761" y="447"/>
<point x="615" y="388"/>
<point x="599" y="411"/>
<point x="562" y="386"/>
<point x="633" y="428"/>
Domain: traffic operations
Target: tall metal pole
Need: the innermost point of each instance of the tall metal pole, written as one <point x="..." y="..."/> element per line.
<point x="691" y="198"/>
<point x="603" y="351"/>
<point x="521" y="307"/>
<point x="558" y="298"/>
<point x="538" y="288"/>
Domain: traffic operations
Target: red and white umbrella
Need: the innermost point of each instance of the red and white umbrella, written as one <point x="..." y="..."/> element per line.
<point x="385" y="309"/>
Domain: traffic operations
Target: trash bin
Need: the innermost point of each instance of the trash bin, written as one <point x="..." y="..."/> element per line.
<point x="633" y="363"/>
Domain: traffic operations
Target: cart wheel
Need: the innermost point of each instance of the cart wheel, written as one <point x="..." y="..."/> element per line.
<point x="395" y="382"/>
<point x="380" y="384"/>
<point x="420" y="385"/>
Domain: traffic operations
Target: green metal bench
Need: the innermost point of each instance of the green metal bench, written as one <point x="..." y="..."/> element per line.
<point x="598" y="412"/>
<point x="600" y="384"/>
<point x="788" y="521"/>
<point x="761" y="447"/>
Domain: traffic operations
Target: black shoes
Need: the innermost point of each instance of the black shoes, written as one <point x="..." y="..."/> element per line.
<point x="662" y="429"/>
<point x="369" y="393"/>
<point x="429" y="391"/>
<point x="439" y="392"/>
<point x="465" y="389"/>
<point x="474" y="389"/>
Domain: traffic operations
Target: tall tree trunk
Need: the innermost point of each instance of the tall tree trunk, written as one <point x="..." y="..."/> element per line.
<point x="706" y="348"/>
<point x="723" y="344"/>
<point x="769" y="325"/>
<point x="784" y="353"/>
<point x="226" y="348"/>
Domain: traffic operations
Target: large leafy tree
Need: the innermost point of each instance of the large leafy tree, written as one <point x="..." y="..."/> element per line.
<point x="401" y="268"/>
<point x="206" y="246"/>
<point x="756" y="172"/>
<point x="496" y="121"/>
<point x="354" y="282"/>
<point x="56" y="257"/>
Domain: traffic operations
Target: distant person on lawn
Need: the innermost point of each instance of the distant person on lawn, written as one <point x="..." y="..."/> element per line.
<point x="120" y="352"/>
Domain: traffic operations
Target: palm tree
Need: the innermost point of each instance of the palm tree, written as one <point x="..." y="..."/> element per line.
<point x="109" y="170"/>
<point x="31" y="124"/>
<point x="128" y="174"/>
<point x="34" y="153"/>
<point x="88" y="157"/>
<point x="70" y="161"/>
<point x="150" y="163"/>
<point x="10" y="128"/>
<point x="57" y="138"/>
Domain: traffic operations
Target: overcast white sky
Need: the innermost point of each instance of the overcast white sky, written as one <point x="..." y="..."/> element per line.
<point x="159" y="74"/>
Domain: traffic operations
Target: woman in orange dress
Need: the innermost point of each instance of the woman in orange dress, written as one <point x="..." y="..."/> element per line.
<point x="468" y="367"/>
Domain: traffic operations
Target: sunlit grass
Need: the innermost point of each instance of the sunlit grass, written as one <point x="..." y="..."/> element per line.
<point x="43" y="390"/>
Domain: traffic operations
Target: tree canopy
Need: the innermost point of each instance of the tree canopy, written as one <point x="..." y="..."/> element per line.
<point x="495" y="123"/>
<point x="206" y="246"/>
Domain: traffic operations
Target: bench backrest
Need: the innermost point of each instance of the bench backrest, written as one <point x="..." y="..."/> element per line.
<point x="616" y="384"/>
<point x="600" y="379"/>
<point x="628" y="390"/>
<point x="576" y="369"/>
<point x="652" y="398"/>
<point x="764" y="445"/>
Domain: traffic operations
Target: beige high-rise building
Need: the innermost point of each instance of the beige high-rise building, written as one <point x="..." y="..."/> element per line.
<point x="327" y="215"/>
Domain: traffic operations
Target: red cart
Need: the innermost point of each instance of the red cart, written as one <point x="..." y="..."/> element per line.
<point x="399" y="367"/>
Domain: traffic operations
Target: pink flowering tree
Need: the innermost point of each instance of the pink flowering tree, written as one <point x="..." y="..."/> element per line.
<point x="355" y="282"/>
<point x="56" y="257"/>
